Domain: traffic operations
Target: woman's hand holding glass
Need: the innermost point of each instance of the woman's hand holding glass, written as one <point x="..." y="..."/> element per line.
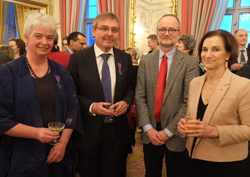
<point x="45" y="135"/>
<point x="196" y="128"/>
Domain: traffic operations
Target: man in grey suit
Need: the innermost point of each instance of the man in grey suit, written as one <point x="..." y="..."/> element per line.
<point x="161" y="99"/>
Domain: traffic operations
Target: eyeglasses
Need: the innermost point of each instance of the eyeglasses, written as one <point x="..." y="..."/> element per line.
<point x="106" y="29"/>
<point x="170" y="31"/>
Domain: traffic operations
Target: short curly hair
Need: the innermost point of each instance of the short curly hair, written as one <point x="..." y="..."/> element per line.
<point x="188" y="42"/>
<point x="20" y="44"/>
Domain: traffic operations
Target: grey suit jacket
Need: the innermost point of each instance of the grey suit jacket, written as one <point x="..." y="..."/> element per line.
<point x="67" y="51"/>
<point x="174" y="106"/>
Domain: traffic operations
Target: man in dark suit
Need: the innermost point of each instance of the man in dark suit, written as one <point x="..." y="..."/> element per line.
<point x="161" y="99"/>
<point x="103" y="151"/>
<point x="76" y="42"/>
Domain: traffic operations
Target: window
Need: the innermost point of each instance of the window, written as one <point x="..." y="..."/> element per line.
<point x="90" y="14"/>
<point x="237" y="17"/>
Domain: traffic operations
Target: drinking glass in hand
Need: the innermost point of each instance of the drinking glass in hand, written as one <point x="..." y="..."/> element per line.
<point x="192" y="123"/>
<point x="56" y="127"/>
<point x="113" y="109"/>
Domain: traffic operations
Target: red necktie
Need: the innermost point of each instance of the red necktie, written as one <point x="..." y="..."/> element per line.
<point x="161" y="83"/>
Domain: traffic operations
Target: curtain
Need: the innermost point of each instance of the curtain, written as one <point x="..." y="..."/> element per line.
<point x="219" y="12"/>
<point x="5" y="21"/>
<point x="69" y="15"/>
<point x="20" y="9"/>
<point x="196" y="17"/>
<point x="118" y="7"/>
<point x="1" y="22"/>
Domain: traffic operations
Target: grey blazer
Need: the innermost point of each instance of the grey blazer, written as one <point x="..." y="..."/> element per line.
<point x="174" y="106"/>
<point x="67" y="51"/>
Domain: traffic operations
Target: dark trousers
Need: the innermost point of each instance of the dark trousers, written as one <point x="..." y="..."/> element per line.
<point x="247" y="164"/>
<point x="153" y="157"/>
<point x="201" y="168"/>
<point x="107" y="157"/>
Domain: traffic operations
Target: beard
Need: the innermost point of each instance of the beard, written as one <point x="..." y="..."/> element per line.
<point x="167" y="45"/>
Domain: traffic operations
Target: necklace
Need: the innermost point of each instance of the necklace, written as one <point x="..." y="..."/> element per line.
<point x="33" y="73"/>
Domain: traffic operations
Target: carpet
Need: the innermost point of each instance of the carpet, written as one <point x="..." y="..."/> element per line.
<point x="135" y="161"/>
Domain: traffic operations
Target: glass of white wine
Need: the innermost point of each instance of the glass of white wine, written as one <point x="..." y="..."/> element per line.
<point x="56" y="127"/>
<point x="113" y="109"/>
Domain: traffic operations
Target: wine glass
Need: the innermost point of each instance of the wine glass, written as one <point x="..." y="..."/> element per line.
<point x="113" y="109"/>
<point x="56" y="127"/>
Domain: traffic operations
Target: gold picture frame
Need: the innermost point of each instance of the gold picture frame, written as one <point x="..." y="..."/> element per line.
<point x="132" y="19"/>
<point x="45" y="4"/>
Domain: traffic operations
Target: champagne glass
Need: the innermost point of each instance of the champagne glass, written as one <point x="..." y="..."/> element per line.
<point x="113" y="109"/>
<point x="56" y="127"/>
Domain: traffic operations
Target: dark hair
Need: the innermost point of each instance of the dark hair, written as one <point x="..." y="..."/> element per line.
<point x="188" y="42"/>
<point x="153" y="37"/>
<point x="20" y="44"/>
<point x="56" y="39"/>
<point x="74" y="36"/>
<point x="229" y="43"/>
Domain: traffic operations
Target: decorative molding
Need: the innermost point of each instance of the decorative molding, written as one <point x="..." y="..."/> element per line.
<point x="131" y="23"/>
<point x="174" y="7"/>
<point x="40" y="4"/>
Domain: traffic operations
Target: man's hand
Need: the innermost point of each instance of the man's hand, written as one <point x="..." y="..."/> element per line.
<point x="164" y="136"/>
<point x="155" y="137"/>
<point x="121" y="108"/>
<point x="236" y="66"/>
<point x="98" y="108"/>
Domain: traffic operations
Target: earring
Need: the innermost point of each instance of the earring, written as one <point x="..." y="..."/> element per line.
<point x="226" y="64"/>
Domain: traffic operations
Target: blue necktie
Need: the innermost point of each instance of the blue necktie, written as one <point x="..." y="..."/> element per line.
<point x="106" y="81"/>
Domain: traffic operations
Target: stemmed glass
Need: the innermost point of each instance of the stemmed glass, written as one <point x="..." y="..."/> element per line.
<point x="56" y="127"/>
<point x="113" y="109"/>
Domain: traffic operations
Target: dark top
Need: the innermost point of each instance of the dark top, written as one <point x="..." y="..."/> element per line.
<point x="200" y="113"/>
<point x="46" y="96"/>
<point x="134" y="72"/>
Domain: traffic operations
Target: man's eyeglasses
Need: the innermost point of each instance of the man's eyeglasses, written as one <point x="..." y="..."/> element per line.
<point x="106" y="29"/>
<point x="170" y="31"/>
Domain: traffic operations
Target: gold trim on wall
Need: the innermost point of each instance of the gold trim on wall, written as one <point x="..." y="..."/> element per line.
<point x="174" y="7"/>
<point x="33" y="4"/>
<point x="131" y="23"/>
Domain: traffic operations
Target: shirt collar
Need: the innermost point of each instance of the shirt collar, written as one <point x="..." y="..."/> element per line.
<point x="170" y="54"/>
<point x="70" y="51"/>
<point x="99" y="51"/>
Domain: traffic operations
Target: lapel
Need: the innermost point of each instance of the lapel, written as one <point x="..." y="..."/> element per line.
<point x="93" y="70"/>
<point x="173" y="72"/>
<point x="154" y="68"/>
<point x="118" y="59"/>
<point x="218" y="94"/>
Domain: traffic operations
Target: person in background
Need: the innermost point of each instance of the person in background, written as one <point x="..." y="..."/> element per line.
<point x="57" y="56"/>
<point x="153" y="43"/>
<point x="103" y="77"/>
<point x="217" y="123"/>
<point x="7" y="50"/>
<point x="161" y="99"/>
<point x="4" y="59"/>
<point x="241" y="37"/>
<point x="35" y="91"/>
<point x="186" y="44"/>
<point x="18" y="46"/>
<point x="76" y="42"/>
<point x="64" y="42"/>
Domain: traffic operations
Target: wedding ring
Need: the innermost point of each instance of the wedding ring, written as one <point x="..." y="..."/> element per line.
<point x="196" y="135"/>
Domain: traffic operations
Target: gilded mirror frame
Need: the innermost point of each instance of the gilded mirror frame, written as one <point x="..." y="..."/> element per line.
<point x="174" y="9"/>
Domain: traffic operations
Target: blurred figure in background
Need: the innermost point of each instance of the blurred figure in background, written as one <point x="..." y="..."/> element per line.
<point x="4" y="59"/>
<point x="18" y="46"/>
<point x="186" y="44"/>
<point x="76" y="42"/>
<point x="7" y="50"/>
<point x="64" y="42"/>
<point x="153" y="43"/>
